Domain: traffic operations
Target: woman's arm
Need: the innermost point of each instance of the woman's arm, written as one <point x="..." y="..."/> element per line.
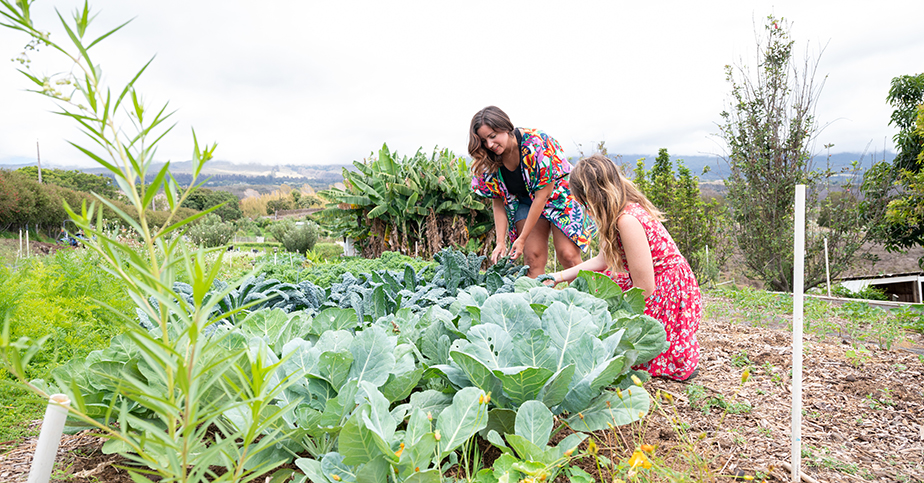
<point x="638" y="253"/>
<point x="500" y="227"/>
<point x="595" y="264"/>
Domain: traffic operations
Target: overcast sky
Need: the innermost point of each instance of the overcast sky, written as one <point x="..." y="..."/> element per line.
<point x="311" y="82"/>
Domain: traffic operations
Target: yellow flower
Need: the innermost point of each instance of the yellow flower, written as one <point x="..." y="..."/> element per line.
<point x="745" y="376"/>
<point x="639" y="459"/>
<point x="335" y="477"/>
<point x="400" y="450"/>
<point x="648" y="448"/>
<point x="592" y="447"/>
<point x="436" y="435"/>
<point x="636" y="380"/>
<point x="619" y="394"/>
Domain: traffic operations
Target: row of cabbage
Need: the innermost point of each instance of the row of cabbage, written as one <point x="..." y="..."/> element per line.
<point x="385" y="376"/>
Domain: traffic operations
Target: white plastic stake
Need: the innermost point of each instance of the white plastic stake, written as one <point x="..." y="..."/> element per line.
<point x="827" y="270"/>
<point x="27" y="243"/>
<point x="797" y="321"/>
<point x="47" y="448"/>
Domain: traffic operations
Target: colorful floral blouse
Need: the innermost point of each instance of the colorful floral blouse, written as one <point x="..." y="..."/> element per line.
<point x="543" y="162"/>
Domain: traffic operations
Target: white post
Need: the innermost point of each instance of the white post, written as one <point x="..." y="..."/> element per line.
<point x="707" y="257"/>
<point x="27" y="241"/>
<point x="797" y="321"/>
<point x="19" y="255"/>
<point x="827" y="270"/>
<point x="49" y="438"/>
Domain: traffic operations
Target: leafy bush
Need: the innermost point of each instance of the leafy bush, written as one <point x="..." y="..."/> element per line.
<point x="202" y="199"/>
<point x="285" y="266"/>
<point x="75" y="180"/>
<point x="695" y="225"/>
<point x="211" y="231"/>
<point x="867" y="293"/>
<point x="328" y="251"/>
<point x="297" y="237"/>
<point x="325" y="274"/>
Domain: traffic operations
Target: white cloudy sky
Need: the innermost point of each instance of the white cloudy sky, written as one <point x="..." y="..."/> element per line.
<point x="312" y="82"/>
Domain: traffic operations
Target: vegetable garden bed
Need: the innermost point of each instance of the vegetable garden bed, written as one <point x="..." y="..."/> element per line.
<point x="863" y="417"/>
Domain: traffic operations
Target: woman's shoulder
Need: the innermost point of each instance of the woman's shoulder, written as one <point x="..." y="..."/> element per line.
<point x="634" y="209"/>
<point x="534" y="135"/>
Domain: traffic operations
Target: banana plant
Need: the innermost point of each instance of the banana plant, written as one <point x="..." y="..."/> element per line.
<point x="407" y="195"/>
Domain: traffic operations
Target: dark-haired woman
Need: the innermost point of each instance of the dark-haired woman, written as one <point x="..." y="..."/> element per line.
<point x="525" y="172"/>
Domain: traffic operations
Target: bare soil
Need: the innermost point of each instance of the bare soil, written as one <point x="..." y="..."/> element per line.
<point x="862" y="420"/>
<point x="10" y="247"/>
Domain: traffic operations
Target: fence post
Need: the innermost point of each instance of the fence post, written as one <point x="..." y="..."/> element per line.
<point x="827" y="270"/>
<point x="797" y="321"/>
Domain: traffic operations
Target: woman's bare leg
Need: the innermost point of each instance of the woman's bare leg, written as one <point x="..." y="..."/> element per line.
<point x="536" y="248"/>
<point x="568" y="253"/>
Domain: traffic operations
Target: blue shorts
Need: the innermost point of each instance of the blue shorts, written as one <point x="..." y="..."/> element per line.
<point x="523" y="210"/>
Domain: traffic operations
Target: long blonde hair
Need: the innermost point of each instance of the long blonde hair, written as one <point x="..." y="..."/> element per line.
<point x="599" y="185"/>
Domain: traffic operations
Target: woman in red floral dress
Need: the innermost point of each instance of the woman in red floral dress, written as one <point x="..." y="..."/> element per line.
<point x="637" y="251"/>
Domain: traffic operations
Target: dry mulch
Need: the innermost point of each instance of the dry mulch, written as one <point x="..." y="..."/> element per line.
<point x="863" y="418"/>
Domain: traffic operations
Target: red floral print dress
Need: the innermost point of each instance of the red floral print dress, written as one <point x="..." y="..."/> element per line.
<point x="676" y="301"/>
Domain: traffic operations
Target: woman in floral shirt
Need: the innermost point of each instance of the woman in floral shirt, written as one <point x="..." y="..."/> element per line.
<point x="525" y="172"/>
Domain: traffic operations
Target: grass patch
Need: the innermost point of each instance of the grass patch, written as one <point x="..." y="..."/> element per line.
<point x="65" y="296"/>
<point x="20" y="408"/>
<point x="854" y="320"/>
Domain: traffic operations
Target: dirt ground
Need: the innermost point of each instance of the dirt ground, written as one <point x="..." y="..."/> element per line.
<point x="10" y="247"/>
<point x="863" y="418"/>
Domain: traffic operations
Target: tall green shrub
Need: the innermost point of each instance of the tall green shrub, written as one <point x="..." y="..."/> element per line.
<point x="191" y="381"/>
<point x="211" y="232"/>
<point x="769" y="128"/>
<point x="699" y="228"/>
<point x="297" y="237"/>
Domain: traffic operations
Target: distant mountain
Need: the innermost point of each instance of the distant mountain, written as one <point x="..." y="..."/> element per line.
<point x="228" y="175"/>
<point x="718" y="168"/>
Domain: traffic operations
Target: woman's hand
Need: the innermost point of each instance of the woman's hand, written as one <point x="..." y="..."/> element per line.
<point x="498" y="252"/>
<point x="548" y="279"/>
<point x="517" y="248"/>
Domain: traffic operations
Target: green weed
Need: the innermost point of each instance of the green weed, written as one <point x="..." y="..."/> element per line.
<point x="858" y="355"/>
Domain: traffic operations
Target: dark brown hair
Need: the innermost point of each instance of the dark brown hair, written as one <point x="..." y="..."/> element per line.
<point x="598" y="184"/>
<point x="486" y="161"/>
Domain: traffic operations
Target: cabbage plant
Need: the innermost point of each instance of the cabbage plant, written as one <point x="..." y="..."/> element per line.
<point x="559" y="347"/>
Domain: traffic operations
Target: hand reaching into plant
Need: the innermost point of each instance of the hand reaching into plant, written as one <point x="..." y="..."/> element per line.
<point x="516" y="250"/>
<point x="499" y="252"/>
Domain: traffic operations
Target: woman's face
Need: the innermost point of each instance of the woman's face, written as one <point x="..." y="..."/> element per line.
<point x="492" y="140"/>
